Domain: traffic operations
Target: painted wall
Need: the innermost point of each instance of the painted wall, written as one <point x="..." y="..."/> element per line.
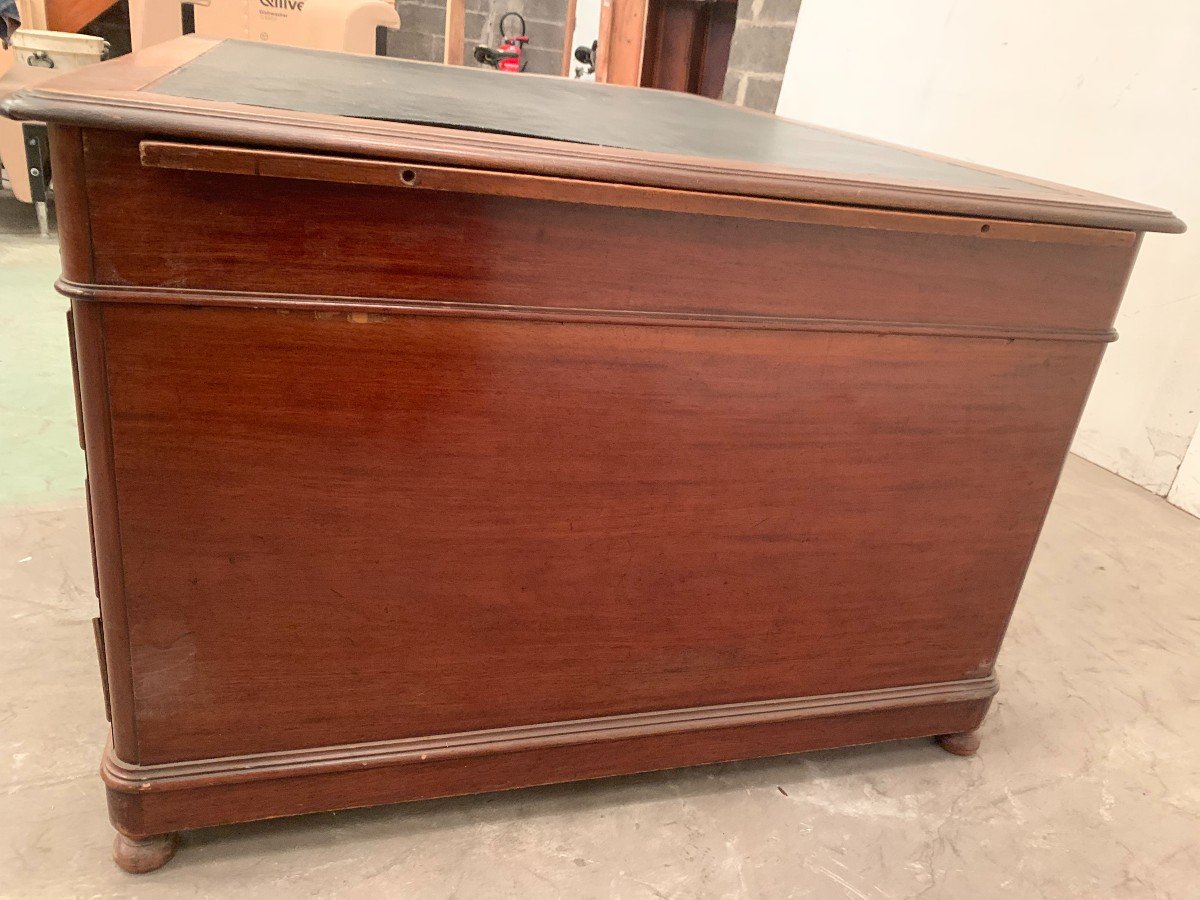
<point x="1185" y="492"/>
<point x="587" y="29"/>
<point x="1099" y="94"/>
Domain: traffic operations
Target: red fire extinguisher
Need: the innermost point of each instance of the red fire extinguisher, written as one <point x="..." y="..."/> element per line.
<point x="509" y="56"/>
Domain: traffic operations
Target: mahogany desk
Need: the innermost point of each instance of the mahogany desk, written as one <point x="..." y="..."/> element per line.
<point x="427" y="458"/>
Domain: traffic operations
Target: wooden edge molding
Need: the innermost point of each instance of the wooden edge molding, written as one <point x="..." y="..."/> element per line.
<point x="103" y="522"/>
<point x="165" y="296"/>
<point x="125" y="777"/>
<point x="418" y="176"/>
<point x="130" y="79"/>
<point x="126" y="110"/>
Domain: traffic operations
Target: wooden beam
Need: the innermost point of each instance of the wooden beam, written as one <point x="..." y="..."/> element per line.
<point x="622" y="36"/>
<point x="71" y="15"/>
<point x="568" y="53"/>
<point x="456" y="32"/>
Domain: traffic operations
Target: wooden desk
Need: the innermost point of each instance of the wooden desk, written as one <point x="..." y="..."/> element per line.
<point x="426" y="459"/>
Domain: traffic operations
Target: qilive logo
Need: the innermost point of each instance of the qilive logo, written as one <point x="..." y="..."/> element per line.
<point x="282" y="4"/>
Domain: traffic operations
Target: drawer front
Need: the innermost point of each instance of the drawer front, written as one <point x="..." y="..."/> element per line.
<point x="153" y="226"/>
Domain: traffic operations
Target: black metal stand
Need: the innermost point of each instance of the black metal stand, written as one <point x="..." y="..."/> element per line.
<point x="37" y="162"/>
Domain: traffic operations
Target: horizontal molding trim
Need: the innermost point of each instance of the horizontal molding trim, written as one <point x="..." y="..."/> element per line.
<point x="387" y="306"/>
<point x="400" y="175"/>
<point x="126" y="777"/>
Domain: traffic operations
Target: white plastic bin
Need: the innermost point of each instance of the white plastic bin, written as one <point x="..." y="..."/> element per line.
<point x="39" y="55"/>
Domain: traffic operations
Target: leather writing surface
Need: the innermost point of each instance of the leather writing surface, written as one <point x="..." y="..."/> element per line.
<point x="560" y="109"/>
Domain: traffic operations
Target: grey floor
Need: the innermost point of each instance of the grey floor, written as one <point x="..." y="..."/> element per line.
<point x="1087" y="784"/>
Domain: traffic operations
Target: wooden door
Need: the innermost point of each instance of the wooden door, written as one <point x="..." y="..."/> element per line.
<point x="687" y="45"/>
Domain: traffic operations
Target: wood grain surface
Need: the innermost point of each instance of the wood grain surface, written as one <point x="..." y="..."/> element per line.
<point x="561" y="521"/>
<point x="516" y="473"/>
<point x="220" y="159"/>
<point x="177" y="805"/>
<point x="310" y="236"/>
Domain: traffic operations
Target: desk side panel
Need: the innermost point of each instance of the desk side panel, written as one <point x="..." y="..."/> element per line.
<point x="341" y="528"/>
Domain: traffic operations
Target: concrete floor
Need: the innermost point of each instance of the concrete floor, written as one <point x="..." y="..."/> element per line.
<point x="1087" y="784"/>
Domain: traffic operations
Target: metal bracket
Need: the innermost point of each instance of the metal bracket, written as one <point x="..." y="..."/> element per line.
<point x="36" y="138"/>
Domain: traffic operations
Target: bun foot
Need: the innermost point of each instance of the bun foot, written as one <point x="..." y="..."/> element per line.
<point x="144" y="855"/>
<point x="964" y="743"/>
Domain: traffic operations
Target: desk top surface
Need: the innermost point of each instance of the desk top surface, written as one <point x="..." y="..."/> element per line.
<point x="557" y="109"/>
<point x="283" y="96"/>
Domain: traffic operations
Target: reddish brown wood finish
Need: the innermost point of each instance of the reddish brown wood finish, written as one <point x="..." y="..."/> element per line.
<point x="447" y="246"/>
<point x="222" y="160"/>
<point x="71" y="203"/>
<point x="572" y="520"/>
<point x="71" y="15"/>
<point x="140" y="855"/>
<point x="138" y="809"/>
<point x="504" y="475"/>
<point x="621" y="41"/>
<point x="962" y="743"/>
<point x="510" y="495"/>
<point x="687" y="45"/>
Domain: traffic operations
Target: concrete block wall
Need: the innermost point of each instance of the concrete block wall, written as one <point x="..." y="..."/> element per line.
<point x="762" y="41"/>
<point x="422" y="30"/>
<point x="423" y="22"/>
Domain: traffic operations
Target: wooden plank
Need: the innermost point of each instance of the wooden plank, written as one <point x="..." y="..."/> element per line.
<point x="72" y="15"/>
<point x="116" y="96"/>
<point x="88" y="322"/>
<point x="388" y="238"/>
<point x="664" y="527"/>
<point x="144" y="810"/>
<point x="455" y="37"/>
<point x="458" y="462"/>
<point x="621" y="42"/>
<point x="349" y="170"/>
